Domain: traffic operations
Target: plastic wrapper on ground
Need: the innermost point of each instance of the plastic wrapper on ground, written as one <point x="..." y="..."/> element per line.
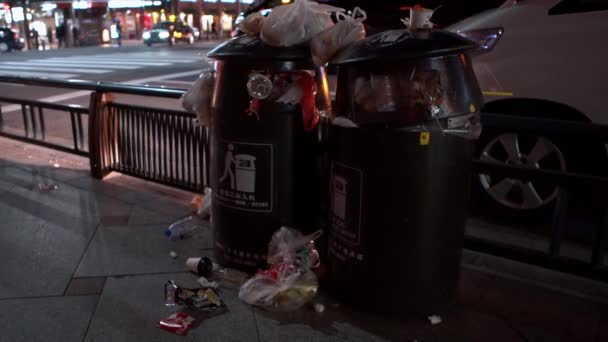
<point x="287" y="293"/>
<point x="177" y="323"/>
<point x="289" y="283"/>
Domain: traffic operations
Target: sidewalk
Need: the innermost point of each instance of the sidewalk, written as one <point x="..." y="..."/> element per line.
<point x="88" y="262"/>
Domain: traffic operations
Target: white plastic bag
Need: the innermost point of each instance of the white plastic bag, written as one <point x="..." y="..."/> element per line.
<point x="287" y="293"/>
<point x="204" y="210"/>
<point x="293" y="24"/>
<point x="198" y="98"/>
<point x="289" y="283"/>
<point x="349" y="29"/>
<point x="252" y="24"/>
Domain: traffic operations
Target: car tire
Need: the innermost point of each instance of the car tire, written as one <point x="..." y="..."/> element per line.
<point x="510" y="200"/>
<point x="148" y="44"/>
<point x="4" y="47"/>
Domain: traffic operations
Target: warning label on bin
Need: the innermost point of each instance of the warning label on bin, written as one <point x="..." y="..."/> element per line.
<point x="244" y="173"/>
<point x="346" y="188"/>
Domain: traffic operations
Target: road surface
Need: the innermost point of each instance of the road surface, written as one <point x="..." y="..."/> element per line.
<point x="174" y="67"/>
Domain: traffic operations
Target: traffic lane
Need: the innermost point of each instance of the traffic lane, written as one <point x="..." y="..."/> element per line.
<point x="198" y="49"/>
<point x="157" y="77"/>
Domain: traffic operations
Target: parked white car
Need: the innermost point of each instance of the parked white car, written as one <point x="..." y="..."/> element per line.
<point x="545" y="58"/>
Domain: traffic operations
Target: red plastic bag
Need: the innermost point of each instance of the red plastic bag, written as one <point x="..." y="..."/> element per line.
<point x="177" y="323"/>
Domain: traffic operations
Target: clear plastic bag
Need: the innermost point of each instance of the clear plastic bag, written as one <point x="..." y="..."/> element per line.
<point x="289" y="283"/>
<point x="204" y="210"/>
<point x="349" y="29"/>
<point x="289" y="291"/>
<point x="296" y="23"/>
<point x="198" y="98"/>
<point x="252" y="24"/>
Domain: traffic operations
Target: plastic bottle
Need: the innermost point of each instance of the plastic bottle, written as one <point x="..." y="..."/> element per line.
<point x="180" y="229"/>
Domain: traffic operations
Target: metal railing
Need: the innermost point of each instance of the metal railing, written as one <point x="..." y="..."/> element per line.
<point x="164" y="146"/>
<point x="34" y="124"/>
<point x="595" y="267"/>
<point x="167" y="147"/>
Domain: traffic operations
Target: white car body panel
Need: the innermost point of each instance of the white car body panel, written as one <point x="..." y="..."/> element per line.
<point x="561" y="58"/>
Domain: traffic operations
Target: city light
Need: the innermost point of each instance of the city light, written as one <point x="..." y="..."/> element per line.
<point x="47" y="6"/>
<point x="285" y="1"/>
<point x="18" y="14"/>
<point x="132" y="3"/>
<point x="81" y="5"/>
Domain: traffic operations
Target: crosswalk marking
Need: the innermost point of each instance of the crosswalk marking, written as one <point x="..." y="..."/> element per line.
<point x="70" y="64"/>
<point x="136" y="58"/>
<point x="96" y="64"/>
<point x="37" y="68"/>
<point x="117" y="62"/>
<point x="36" y="74"/>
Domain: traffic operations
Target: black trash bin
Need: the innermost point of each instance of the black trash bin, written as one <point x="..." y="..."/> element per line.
<point x="264" y="146"/>
<point x="400" y="154"/>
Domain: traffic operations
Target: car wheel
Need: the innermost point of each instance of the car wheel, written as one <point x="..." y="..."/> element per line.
<point x="516" y="201"/>
<point x="148" y="44"/>
<point x="4" y="47"/>
<point x="526" y="151"/>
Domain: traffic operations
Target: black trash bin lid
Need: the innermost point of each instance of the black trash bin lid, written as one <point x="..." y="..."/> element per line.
<point x="398" y="45"/>
<point x="252" y="48"/>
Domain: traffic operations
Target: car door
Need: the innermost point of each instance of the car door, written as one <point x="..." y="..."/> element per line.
<point x="551" y="50"/>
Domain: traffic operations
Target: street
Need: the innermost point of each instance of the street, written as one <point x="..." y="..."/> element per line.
<point x="158" y="66"/>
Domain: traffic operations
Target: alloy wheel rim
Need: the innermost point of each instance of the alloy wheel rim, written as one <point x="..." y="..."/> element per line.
<point x="525" y="151"/>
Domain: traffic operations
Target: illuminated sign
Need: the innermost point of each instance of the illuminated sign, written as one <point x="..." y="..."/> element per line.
<point x="81" y="5"/>
<point x="18" y="14"/>
<point x="47" y="6"/>
<point x="132" y="3"/>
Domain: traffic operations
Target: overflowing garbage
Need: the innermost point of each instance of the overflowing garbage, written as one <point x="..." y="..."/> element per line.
<point x="411" y="98"/>
<point x="301" y="22"/>
<point x="290" y="282"/>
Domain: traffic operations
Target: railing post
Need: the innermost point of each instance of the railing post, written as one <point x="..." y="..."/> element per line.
<point x="100" y="132"/>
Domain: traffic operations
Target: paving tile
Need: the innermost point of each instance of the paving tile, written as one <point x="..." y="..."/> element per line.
<point x="595" y="290"/>
<point x="338" y="322"/>
<point x="463" y="324"/>
<point x="85" y="286"/>
<point x="46" y="319"/>
<point x="130" y="306"/>
<point x="472" y="285"/>
<point x="103" y="187"/>
<point x="123" y="250"/>
<point x="307" y="325"/>
<point x="38" y="257"/>
<point x="66" y="205"/>
<point x="134" y="191"/>
<point x="534" y="308"/>
<point x="141" y="215"/>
